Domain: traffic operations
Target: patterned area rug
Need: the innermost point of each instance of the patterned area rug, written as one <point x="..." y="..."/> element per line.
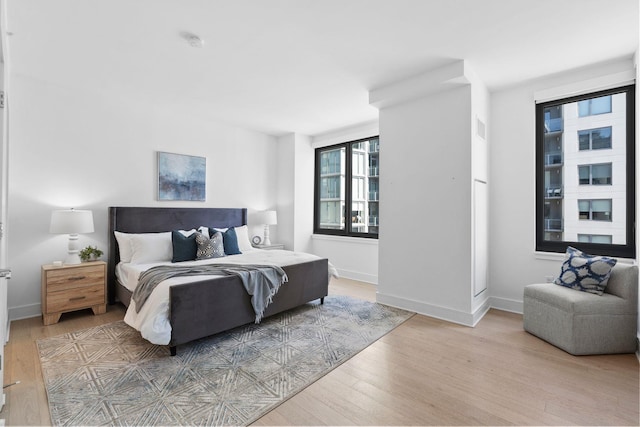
<point x="109" y="375"/>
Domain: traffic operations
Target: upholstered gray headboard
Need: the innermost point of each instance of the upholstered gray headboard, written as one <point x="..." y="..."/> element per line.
<point x="154" y="220"/>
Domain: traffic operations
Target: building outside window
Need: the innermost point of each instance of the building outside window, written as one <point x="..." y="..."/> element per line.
<point x="595" y="139"/>
<point x="595" y="174"/>
<point x="595" y="238"/>
<point x="332" y="185"/>
<point x="594" y="106"/>
<point x="348" y="189"/>
<point x="593" y="209"/>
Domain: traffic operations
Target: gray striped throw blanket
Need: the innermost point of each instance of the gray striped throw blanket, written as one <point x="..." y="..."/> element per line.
<point x="262" y="282"/>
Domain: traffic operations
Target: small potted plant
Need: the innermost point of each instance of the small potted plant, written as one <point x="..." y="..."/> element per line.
<point x="90" y="253"/>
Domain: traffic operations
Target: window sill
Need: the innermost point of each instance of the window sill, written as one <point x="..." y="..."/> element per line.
<point x="556" y="256"/>
<point x="549" y="256"/>
<point x="345" y="239"/>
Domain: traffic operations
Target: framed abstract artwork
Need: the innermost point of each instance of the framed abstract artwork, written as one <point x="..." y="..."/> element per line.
<point x="181" y="177"/>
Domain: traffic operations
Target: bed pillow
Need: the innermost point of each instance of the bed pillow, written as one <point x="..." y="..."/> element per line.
<point x="124" y="245"/>
<point x="184" y="245"/>
<point x="244" y="243"/>
<point x="230" y="240"/>
<point x="151" y="247"/>
<point x="586" y="273"/>
<point x="204" y="230"/>
<point x="209" y="247"/>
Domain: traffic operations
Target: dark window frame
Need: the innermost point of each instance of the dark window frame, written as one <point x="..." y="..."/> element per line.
<point x="627" y="250"/>
<point x="348" y="191"/>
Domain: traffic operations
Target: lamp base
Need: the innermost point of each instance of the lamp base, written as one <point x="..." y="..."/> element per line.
<point x="73" y="256"/>
<point x="266" y="241"/>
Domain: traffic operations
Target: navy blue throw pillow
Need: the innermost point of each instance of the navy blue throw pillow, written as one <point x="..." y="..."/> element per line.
<point x="229" y="240"/>
<point x="184" y="247"/>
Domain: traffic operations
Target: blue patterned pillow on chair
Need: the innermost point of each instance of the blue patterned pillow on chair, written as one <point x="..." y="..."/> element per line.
<point x="583" y="272"/>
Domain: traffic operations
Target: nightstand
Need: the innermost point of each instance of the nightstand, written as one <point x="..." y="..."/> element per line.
<point x="73" y="287"/>
<point x="271" y="246"/>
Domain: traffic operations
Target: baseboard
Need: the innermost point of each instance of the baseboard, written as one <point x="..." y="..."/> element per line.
<point x="355" y="275"/>
<point x="24" y="312"/>
<point x="506" y="304"/>
<point x="479" y="313"/>
<point x="442" y="313"/>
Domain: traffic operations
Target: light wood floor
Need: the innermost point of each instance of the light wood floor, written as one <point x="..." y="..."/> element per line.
<point x="425" y="372"/>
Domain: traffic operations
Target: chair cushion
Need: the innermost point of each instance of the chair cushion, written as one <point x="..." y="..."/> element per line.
<point x="569" y="300"/>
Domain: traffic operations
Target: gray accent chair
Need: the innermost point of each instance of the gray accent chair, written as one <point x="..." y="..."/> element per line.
<point x="582" y="323"/>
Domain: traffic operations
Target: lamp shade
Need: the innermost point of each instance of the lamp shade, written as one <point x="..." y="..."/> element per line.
<point x="71" y="221"/>
<point x="267" y="218"/>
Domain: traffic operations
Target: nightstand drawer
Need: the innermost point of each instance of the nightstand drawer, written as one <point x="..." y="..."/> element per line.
<point x="76" y="298"/>
<point x="79" y="277"/>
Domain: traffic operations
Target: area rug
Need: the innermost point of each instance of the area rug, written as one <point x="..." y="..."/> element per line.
<point x="109" y="375"/>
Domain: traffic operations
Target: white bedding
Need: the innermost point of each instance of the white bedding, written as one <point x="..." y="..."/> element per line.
<point x="153" y="319"/>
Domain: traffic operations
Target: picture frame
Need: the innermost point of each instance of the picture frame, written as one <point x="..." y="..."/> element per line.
<point x="181" y="177"/>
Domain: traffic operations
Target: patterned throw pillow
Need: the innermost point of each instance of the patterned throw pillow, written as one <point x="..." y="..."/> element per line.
<point x="583" y="272"/>
<point x="229" y="239"/>
<point x="209" y="248"/>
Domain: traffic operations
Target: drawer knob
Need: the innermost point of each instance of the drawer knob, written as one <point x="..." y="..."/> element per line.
<point x="77" y="277"/>
<point x="77" y="298"/>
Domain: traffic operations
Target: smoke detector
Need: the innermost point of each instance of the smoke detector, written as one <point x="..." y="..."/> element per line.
<point x="193" y="40"/>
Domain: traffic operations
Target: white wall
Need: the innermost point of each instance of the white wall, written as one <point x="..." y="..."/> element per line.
<point x="286" y="175"/>
<point x="304" y="160"/>
<point x="425" y="244"/>
<point x="513" y="262"/>
<point x="354" y="258"/>
<point x="433" y="253"/>
<point x="95" y="150"/>
<point x="295" y="191"/>
<point x="480" y="139"/>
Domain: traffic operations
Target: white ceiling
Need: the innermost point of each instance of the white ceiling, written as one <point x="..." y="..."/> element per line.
<point x="305" y="66"/>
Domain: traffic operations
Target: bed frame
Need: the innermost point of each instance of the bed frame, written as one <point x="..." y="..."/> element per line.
<point x="204" y="308"/>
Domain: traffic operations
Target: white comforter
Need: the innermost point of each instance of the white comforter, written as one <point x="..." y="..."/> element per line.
<point x="153" y="319"/>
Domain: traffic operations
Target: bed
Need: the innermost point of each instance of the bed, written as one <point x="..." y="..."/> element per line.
<point x="202" y="308"/>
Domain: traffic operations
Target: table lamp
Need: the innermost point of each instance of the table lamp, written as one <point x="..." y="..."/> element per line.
<point x="267" y="218"/>
<point x="72" y="222"/>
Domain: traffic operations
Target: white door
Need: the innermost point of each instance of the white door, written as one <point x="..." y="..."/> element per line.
<point x="4" y="272"/>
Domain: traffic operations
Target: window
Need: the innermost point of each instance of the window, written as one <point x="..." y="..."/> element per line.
<point x="594" y="174"/>
<point x="594" y="106"/>
<point x="592" y="134"/>
<point x="594" y="139"/>
<point x="332" y="184"/>
<point x="595" y="210"/>
<point x="595" y="238"/>
<point x="348" y="189"/>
